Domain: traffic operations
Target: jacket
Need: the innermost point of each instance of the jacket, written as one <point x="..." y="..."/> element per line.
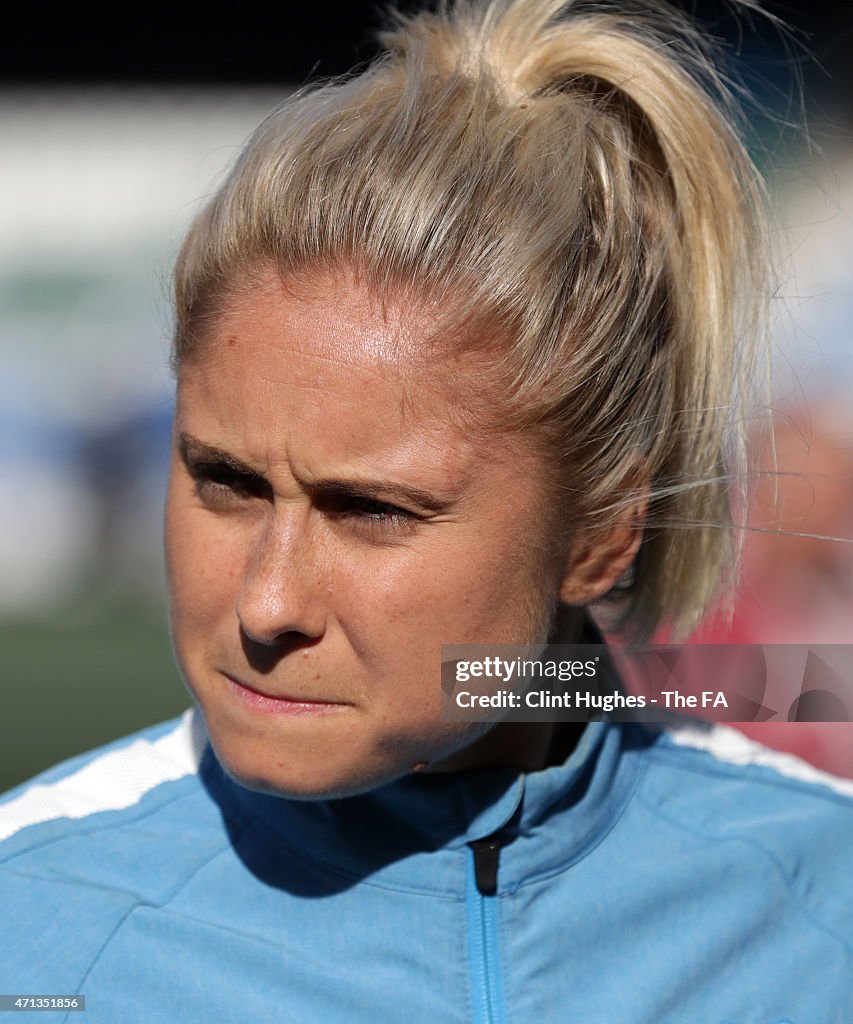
<point x="674" y="876"/>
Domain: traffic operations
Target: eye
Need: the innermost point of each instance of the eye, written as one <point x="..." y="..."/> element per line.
<point x="364" y="512"/>
<point x="370" y="508"/>
<point x="218" y="484"/>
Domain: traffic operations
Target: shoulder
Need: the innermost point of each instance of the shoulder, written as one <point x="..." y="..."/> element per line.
<point x="85" y="843"/>
<point x="70" y="797"/>
<point x="715" y="755"/>
<point x="761" y="812"/>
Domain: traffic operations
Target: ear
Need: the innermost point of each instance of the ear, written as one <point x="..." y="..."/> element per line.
<point x="600" y="556"/>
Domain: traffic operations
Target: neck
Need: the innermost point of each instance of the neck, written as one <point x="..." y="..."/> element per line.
<point x="525" y="746"/>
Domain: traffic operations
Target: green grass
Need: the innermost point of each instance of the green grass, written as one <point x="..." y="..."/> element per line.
<point x="90" y="675"/>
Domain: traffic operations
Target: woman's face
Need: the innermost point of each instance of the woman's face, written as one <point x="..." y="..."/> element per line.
<point x="332" y="519"/>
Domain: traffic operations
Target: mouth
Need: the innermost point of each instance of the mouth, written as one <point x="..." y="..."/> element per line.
<point x="264" y="703"/>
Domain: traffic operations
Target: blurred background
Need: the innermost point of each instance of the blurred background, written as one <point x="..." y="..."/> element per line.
<point x="112" y="129"/>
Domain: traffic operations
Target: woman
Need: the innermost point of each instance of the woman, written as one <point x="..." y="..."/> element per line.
<point x="460" y="348"/>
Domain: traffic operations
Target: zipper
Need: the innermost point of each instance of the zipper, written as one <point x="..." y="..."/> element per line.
<point x="481" y="898"/>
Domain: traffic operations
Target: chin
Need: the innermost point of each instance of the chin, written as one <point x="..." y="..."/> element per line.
<point x="309" y="782"/>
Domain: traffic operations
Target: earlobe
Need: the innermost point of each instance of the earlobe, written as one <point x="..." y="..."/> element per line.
<point x="599" y="557"/>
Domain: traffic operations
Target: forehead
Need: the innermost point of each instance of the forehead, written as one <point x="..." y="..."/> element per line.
<point x="312" y="326"/>
<point x="328" y="362"/>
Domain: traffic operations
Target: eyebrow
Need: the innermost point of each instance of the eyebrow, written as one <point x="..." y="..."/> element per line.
<point x="193" y="452"/>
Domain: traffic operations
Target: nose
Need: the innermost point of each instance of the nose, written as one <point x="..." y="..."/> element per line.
<point x="281" y="595"/>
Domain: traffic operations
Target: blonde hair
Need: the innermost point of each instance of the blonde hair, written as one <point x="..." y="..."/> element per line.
<point x="564" y="179"/>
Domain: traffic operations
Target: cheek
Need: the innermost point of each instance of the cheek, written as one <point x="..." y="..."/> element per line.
<point x="202" y="563"/>
<point x="398" y="617"/>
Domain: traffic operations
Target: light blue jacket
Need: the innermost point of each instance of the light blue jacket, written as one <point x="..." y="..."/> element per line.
<point x="684" y="876"/>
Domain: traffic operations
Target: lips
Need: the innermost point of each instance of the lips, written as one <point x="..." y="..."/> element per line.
<point x="259" y="701"/>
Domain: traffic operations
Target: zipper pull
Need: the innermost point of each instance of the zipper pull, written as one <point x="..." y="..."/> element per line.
<point x="487" y="853"/>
